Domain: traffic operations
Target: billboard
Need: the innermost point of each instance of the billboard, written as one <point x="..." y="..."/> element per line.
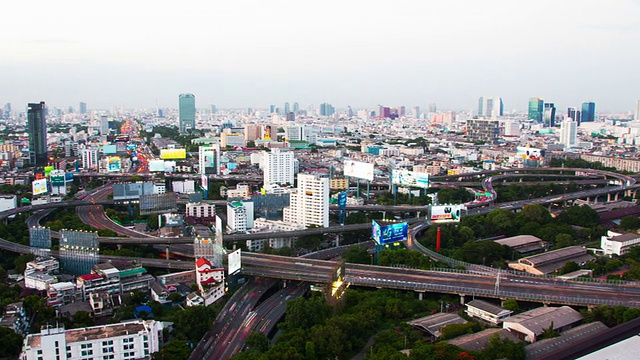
<point x="47" y="170"/>
<point x="267" y="133"/>
<point x="158" y="203"/>
<point x="386" y="234"/>
<point x="446" y="213"/>
<point x="204" y="182"/>
<point x="109" y="149"/>
<point x="528" y="153"/>
<point x="234" y="262"/>
<point x="57" y="178"/>
<point x="113" y="163"/>
<point x="156" y="165"/>
<point x="169" y="166"/>
<point x="173" y="154"/>
<point x="39" y="186"/>
<point x="410" y="178"/>
<point x="358" y="170"/>
<point x="209" y="157"/>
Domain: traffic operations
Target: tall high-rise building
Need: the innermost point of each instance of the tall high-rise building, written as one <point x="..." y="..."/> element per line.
<point x="37" y="130"/>
<point x="549" y="117"/>
<point x="187" y="112"/>
<point x="214" y="109"/>
<point x="272" y="109"/>
<point x="490" y="106"/>
<point x="536" y="108"/>
<point x="286" y="108"/>
<point x="309" y="203"/>
<point x="483" y="130"/>
<point x="433" y="108"/>
<point x="416" y="112"/>
<point x="7" y="110"/>
<point x="574" y="114"/>
<point x="326" y="109"/>
<point x="568" y="133"/>
<point x="588" y="113"/>
<point x="278" y="167"/>
<point x="296" y="107"/>
<point x="83" y="108"/>
<point x="637" y="111"/>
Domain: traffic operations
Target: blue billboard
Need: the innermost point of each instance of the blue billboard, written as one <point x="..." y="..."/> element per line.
<point x="390" y="233"/>
<point x="342" y="205"/>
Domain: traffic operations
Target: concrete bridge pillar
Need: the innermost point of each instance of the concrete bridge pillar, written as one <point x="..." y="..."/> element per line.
<point x="284" y="283"/>
<point x="461" y="299"/>
<point x="418" y="214"/>
<point x="166" y="252"/>
<point x="616" y="196"/>
<point x="384" y="215"/>
<point x="609" y="197"/>
<point x="420" y="295"/>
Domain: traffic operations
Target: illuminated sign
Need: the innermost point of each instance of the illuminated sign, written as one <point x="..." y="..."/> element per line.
<point x="109" y="149"/>
<point x="169" y="166"/>
<point x="531" y="157"/>
<point x="156" y="165"/>
<point x="387" y="234"/>
<point x="173" y="154"/>
<point x="39" y="186"/>
<point x="113" y="163"/>
<point x="47" y="170"/>
<point x="204" y="182"/>
<point x="267" y="133"/>
<point x="410" y="178"/>
<point x="57" y="178"/>
<point x="446" y="213"/>
<point x="234" y="262"/>
<point x="358" y="170"/>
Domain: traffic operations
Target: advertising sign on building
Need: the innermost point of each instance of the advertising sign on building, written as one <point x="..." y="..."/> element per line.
<point x="234" y="262"/>
<point x="168" y="154"/>
<point x="446" y="213"/>
<point x="113" y="163"/>
<point x="39" y="186"/>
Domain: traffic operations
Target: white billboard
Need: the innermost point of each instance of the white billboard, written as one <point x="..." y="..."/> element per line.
<point x="156" y="165"/>
<point x="446" y="213"/>
<point x="234" y="262"/>
<point x="204" y="182"/>
<point x="39" y="186"/>
<point x="410" y="178"/>
<point x="169" y="166"/>
<point x="358" y="170"/>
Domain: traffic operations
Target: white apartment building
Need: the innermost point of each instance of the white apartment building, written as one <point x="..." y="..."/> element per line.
<point x="618" y="244"/>
<point x="301" y="133"/>
<point x="201" y="210"/>
<point x="569" y="133"/>
<point x="90" y="158"/>
<point x="309" y="204"/>
<point x="128" y="340"/>
<point x="278" y="166"/>
<point x="236" y="216"/>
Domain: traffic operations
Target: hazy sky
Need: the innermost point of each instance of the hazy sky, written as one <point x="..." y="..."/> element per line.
<point x="252" y="53"/>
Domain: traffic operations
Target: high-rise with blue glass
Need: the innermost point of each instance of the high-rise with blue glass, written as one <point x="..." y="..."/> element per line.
<point x="588" y="113"/>
<point x="187" y="112"/>
<point x="536" y="109"/>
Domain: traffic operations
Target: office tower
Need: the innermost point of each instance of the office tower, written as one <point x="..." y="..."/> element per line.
<point x="326" y="109"/>
<point x="490" y="106"/>
<point x="209" y="159"/>
<point x="401" y="111"/>
<point x="483" y="130"/>
<point x="432" y="108"/>
<point x="302" y="133"/>
<point x="536" y="108"/>
<point x="272" y="109"/>
<point x="290" y="116"/>
<point x="7" y="110"/>
<point x="568" y="133"/>
<point x="636" y="118"/>
<point x="309" y="203"/>
<point x="349" y="111"/>
<point x="385" y="112"/>
<point x="574" y="114"/>
<point x="160" y="113"/>
<point x="286" y="108"/>
<point x="90" y="158"/>
<point x="104" y="125"/>
<point x="83" y="108"/>
<point x="296" y="107"/>
<point x="416" y="112"/>
<point x="549" y="117"/>
<point x="588" y="112"/>
<point x="37" y="130"/>
<point x="278" y="166"/>
<point x="214" y="109"/>
<point x="187" y="113"/>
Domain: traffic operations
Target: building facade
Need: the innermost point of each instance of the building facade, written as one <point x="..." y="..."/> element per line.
<point x="309" y="204"/>
<point x="187" y="112"/>
<point x="37" y="130"/>
<point x="278" y="166"/>
<point x="483" y="130"/>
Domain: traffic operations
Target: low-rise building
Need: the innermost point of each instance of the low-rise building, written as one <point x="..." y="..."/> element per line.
<point x="42" y="264"/>
<point x="486" y="311"/>
<point x="128" y="340"/>
<point x="618" y="244"/>
<point x="523" y="244"/>
<point x="551" y="261"/>
<point x="39" y="281"/>
<point x="529" y="325"/>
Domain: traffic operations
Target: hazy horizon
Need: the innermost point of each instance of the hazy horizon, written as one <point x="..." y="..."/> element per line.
<point x="358" y="53"/>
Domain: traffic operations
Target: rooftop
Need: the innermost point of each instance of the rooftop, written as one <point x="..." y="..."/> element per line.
<point x="520" y="240"/>
<point x="541" y="318"/>
<point x="487" y="307"/>
<point x="625" y="237"/>
<point x="434" y="323"/>
<point x="480" y="340"/>
<point x="566" y="339"/>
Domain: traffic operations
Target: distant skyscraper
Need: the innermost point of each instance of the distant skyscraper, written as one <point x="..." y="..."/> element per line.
<point x="272" y="109"/>
<point x="296" y="107"/>
<point x="286" y="108"/>
<point x="326" y="109"/>
<point x="7" y="110"/>
<point x="432" y="108"/>
<point x="574" y="114"/>
<point x="37" y="130"/>
<point x="290" y="116"/>
<point x="568" y="133"/>
<point x="70" y="110"/>
<point x="549" y="115"/>
<point x="187" y="112"/>
<point x="636" y="118"/>
<point x="214" y="109"/>
<point x="588" y="113"/>
<point x="536" y="108"/>
<point x="490" y="106"/>
<point x="416" y="112"/>
<point x="401" y="111"/>
<point x="83" y="108"/>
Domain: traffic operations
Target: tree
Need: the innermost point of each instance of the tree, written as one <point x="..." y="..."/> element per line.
<point x="579" y="215"/>
<point x="564" y="240"/>
<point x="257" y="342"/>
<point x="630" y="223"/>
<point x="194" y="322"/>
<point x="302" y="313"/>
<point x="533" y="213"/>
<point x="21" y="262"/>
<point x="174" y="350"/>
<point x="10" y="343"/>
<point x="511" y="304"/>
<point x="569" y="267"/>
<point x="357" y="255"/>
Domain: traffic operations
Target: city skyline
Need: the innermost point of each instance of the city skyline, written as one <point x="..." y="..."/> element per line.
<point x="252" y="54"/>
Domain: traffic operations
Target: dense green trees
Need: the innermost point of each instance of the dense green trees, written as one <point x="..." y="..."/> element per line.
<point x="10" y="343"/>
